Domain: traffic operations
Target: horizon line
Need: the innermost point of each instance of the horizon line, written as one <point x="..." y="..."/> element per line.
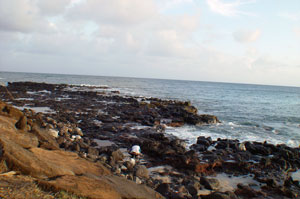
<point x="154" y="78"/>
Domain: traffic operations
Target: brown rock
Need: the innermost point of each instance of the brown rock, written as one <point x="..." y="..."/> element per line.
<point x="41" y="163"/>
<point x="69" y="161"/>
<point x="106" y="187"/>
<point x="207" y="167"/>
<point x="117" y="155"/>
<point x="247" y="192"/>
<point x="78" y="131"/>
<point x="77" y="147"/>
<point x="47" y="141"/>
<point x="3" y="167"/>
<point x="62" y="170"/>
<point x="93" y="151"/>
<point x="142" y="172"/>
<point x="60" y="140"/>
<point x="191" y="109"/>
<point x="210" y="184"/>
<point x="6" y="109"/>
<point x="220" y="195"/>
<point x="22" y="138"/>
<point x="22" y="123"/>
<point x="175" y="124"/>
<point x="208" y="119"/>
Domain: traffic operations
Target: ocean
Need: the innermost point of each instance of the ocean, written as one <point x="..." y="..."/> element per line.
<point x="247" y="112"/>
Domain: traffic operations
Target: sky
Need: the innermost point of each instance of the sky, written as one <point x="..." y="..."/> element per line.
<point x="242" y="41"/>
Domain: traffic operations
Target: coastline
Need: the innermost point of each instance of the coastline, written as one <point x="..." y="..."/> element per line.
<point x="101" y="116"/>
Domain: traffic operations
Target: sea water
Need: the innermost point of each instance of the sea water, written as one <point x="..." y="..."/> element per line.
<point x="247" y="112"/>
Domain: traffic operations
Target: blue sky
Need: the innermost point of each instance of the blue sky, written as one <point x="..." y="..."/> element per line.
<point x="244" y="41"/>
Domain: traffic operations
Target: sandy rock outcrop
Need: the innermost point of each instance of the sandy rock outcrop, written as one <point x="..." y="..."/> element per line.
<point x="11" y="133"/>
<point x="36" y="153"/>
<point x="104" y="187"/>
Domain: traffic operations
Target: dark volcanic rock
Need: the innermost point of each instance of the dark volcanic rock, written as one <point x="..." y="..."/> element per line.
<point x="126" y="121"/>
<point x="210" y="184"/>
<point x="163" y="188"/>
<point x="220" y="195"/>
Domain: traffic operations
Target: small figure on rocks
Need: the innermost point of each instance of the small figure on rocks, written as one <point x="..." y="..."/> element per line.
<point x="135" y="151"/>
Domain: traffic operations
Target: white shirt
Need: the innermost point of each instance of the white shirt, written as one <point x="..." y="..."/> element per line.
<point x="136" y="149"/>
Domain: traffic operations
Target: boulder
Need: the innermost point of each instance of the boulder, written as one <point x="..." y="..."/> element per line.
<point x="93" y="151"/>
<point x="163" y="188"/>
<point x="204" y="141"/>
<point x="46" y="139"/>
<point x="209" y="183"/>
<point x="22" y="138"/>
<point x="247" y="192"/>
<point x="53" y="133"/>
<point x="22" y="123"/>
<point x="6" y="109"/>
<point x="78" y="131"/>
<point x="190" y="109"/>
<point x="117" y="155"/>
<point x="208" y="119"/>
<point x="142" y="172"/>
<point x="193" y="188"/>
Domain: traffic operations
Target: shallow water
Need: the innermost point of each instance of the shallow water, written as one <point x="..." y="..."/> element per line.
<point x="296" y="175"/>
<point x="36" y="109"/>
<point x="229" y="183"/>
<point x="103" y="143"/>
<point x="247" y="112"/>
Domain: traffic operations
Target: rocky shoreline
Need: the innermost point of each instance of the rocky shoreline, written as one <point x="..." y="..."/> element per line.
<point x="101" y="125"/>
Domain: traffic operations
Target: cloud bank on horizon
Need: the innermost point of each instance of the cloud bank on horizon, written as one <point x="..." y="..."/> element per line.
<point x="246" y="41"/>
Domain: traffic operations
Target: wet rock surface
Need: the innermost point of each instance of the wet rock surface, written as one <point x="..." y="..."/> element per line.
<point x="101" y="125"/>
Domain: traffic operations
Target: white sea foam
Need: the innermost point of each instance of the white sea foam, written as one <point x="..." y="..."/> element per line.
<point x="296" y="175"/>
<point x="28" y="99"/>
<point x="97" y="122"/>
<point x="36" y="109"/>
<point x="58" y="99"/>
<point x="38" y="92"/>
<point x="231" y="123"/>
<point x="139" y="127"/>
<point x="293" y="143"/>
<point x="44" y="91"/>
<point x="186" y="133"/>
<point x="91" y="85"/>
<point x="229" y="183"/>
<point x="191" y="133"/>
<point x="31" y="93"/>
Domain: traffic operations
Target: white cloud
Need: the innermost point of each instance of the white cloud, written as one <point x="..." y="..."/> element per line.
<point x="245" y="36"/>
<point x="24" y="16"/>
<point x="297" y="31"/>
<point x="166" y="43"/>
<point x="229" y="9"/>
<point x="267" y="62"/>
<point x="18" y="15"/>
<point x="290" y="16"/>
<point x="129" y="38"/>
<point x="168" y="4"/>
<point x="189" y="23"/>
<point x="120" y="12"/>
<point x="53" y="7"/>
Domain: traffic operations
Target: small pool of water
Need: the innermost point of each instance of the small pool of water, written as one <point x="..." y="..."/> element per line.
<point x="103" y="143"/>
